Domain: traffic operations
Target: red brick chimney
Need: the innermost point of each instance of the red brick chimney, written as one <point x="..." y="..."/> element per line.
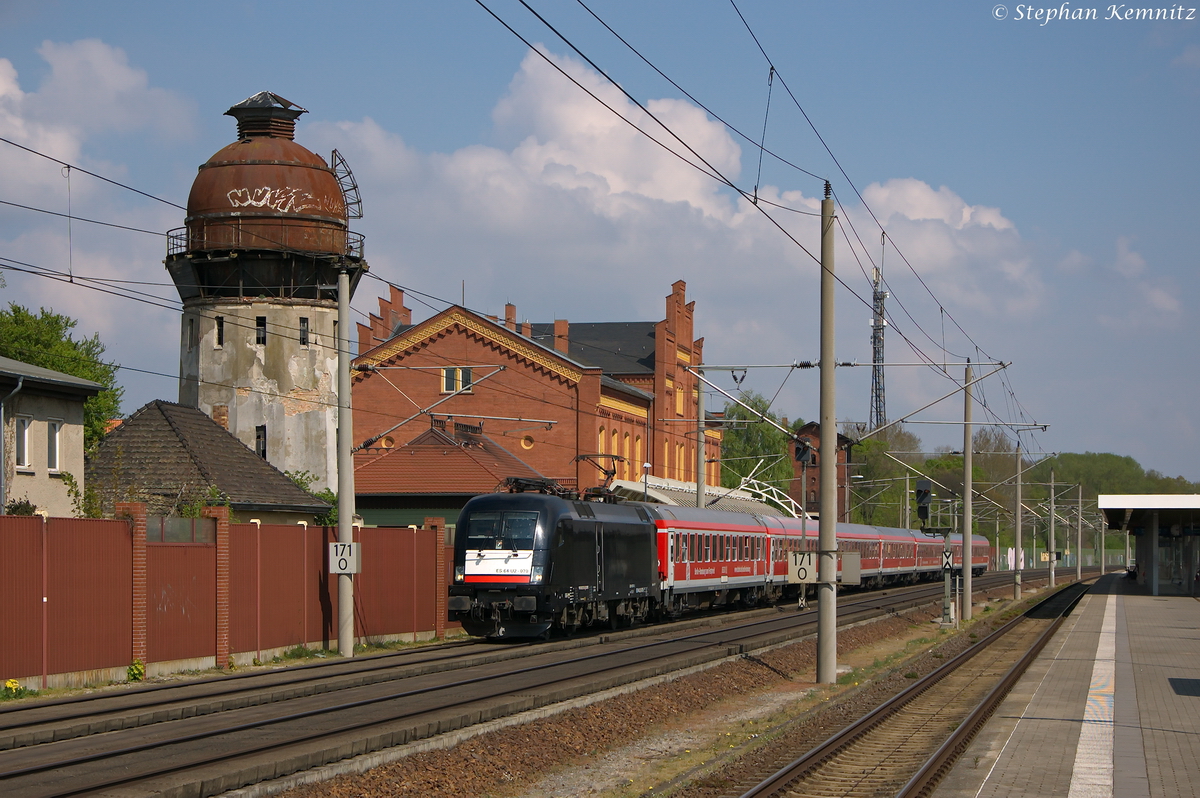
<point x="561" y="328"/>
<point x="510" y="316"/>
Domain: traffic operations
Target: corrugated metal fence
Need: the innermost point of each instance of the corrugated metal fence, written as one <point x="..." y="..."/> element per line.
<point x="70" y="604"/>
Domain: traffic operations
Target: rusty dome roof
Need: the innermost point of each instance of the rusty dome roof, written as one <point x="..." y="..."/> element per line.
<point x="265" y="191"/>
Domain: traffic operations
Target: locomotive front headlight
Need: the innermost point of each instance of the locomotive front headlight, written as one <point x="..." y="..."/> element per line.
<point x="459" y="573"/>
<point x="535" y="574"/>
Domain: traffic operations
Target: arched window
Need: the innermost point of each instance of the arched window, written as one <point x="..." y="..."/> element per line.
<point x="638" y="460"/>
<point x="627" y="467"/>
<point x="603" y="442"/>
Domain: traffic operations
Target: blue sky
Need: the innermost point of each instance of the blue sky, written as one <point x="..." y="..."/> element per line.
<point x="1040" y="179"/>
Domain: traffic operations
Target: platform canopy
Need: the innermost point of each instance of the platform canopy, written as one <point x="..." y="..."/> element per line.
<point x="1177" y="512"/>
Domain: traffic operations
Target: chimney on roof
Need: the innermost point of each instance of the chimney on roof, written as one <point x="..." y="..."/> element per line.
<point x="561" y="329"/>
<point x="527" y="329"/>
<point x="510" y="316"/>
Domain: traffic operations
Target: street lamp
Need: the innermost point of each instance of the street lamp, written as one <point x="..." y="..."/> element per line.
<point x="646" y="481"/>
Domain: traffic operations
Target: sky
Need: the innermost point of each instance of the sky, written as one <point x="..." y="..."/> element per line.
<point x="1036" y="180"/>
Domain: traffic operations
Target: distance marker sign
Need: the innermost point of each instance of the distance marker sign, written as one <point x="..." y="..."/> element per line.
<point x="802" y="567"/>
<point x="343" y="558"/>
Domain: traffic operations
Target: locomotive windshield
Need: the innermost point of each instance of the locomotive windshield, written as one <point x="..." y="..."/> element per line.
<point x="512" y="530"/>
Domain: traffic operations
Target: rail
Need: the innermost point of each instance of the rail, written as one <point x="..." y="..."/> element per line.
<point x="787" y="779"/>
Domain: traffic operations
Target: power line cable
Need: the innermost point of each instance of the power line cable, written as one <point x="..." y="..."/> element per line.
<point x="91" y="174"/>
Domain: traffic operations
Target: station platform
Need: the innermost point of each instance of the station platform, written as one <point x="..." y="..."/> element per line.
<point x="1111" y="707"/>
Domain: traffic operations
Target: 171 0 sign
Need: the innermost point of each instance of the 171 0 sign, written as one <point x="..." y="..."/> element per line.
<point x="343" y="558"/>
<point x="802" y="567"/>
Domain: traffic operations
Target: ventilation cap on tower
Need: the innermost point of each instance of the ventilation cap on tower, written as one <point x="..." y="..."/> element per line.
<point x="266" y="114"/>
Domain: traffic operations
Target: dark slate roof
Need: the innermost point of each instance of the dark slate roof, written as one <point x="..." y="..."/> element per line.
<point x="618" y="347"/>
<point x="44" y="380"/>
<point x="166" y="452"/>
<point x="625" y="388"/>
<point x="438" y="463"/>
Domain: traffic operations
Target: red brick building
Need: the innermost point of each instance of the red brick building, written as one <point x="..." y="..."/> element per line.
<point x="563" y="397"/>
<point x="805" y="488"/>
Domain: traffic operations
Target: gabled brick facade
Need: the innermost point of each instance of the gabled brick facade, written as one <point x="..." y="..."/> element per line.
<point x="809" y="495"/>
<point x="550" y="393"/>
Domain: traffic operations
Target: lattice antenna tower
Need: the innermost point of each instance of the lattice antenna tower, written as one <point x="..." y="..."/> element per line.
<point x="878" y="324"/>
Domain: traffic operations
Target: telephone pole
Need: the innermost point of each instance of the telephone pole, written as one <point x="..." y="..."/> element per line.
<point x="968" y="490"/>
<point x="827" y="538"/>
<point x="1019" y="562"/>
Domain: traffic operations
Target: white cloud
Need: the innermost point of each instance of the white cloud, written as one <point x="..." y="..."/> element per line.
<point x="571" y="141"/>
<point x="92" y="88"/>
<point x="917" y="201"/>
<point x="1075" y="262"/>
<point x="1128" y="262"/>
<point x="1162" y="300"/>
<point x="1190" y="57"/>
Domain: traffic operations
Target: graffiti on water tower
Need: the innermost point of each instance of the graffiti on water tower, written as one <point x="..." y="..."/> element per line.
<point x="283" y="200"/>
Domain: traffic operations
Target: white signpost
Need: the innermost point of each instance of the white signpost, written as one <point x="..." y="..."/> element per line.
<point x="343" y="558"/>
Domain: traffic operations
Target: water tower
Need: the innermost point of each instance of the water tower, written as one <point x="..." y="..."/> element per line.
<point x="257" y="269"/>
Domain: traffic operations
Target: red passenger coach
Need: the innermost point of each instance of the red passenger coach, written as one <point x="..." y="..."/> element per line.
<point x="712" y="552"/>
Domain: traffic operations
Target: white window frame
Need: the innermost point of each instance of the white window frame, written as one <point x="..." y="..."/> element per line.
<point x="21" y="446"/>
<point x="454" y="376"/>
<point x="54" y="445"/>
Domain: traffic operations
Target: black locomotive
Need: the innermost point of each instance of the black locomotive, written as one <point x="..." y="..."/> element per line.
<point x="524" y="562"/>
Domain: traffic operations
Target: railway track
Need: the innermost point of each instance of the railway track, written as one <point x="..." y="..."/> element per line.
<point x="904" y="746"/>
<point x="206" y="737"/>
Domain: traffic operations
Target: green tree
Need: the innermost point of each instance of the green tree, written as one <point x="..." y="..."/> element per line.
<point x="878" y="498"/>
<point x="44" y="339"/>
<point x="745" y="445"/>
<point x="304" y="480"/>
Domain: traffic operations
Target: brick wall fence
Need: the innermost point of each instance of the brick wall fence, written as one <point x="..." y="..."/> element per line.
<point x="82" y="598"/>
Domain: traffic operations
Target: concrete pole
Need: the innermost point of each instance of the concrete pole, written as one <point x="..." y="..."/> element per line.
<point x="997" y="540"/>
<point x="700" y="458"/>
<point x="1017" y="532"/>
<point x="1079" y="537"/>
<point x="1050" y="544"/>
<point x="967" y="491"/>
<point x="1151" y="555"/>
<point x="345" y="463"/>
<point x="827" y="540"/>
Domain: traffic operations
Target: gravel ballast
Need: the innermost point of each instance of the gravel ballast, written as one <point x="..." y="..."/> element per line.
<point x="692" y="737"/>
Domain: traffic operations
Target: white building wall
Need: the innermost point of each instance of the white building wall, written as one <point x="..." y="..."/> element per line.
<point x="44" y="486"/>
<point x="289" y="387"/>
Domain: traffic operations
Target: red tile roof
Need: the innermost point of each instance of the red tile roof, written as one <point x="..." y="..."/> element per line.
<point x="437" y="463"/>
